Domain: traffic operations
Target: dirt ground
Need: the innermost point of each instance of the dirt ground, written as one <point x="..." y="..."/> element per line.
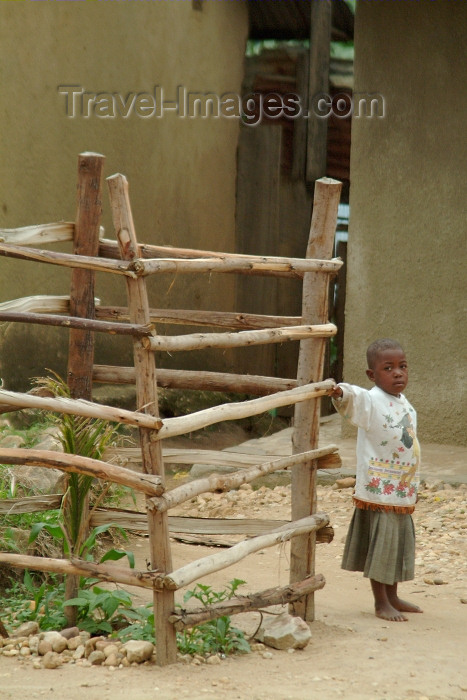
<point x="352" y="654"/>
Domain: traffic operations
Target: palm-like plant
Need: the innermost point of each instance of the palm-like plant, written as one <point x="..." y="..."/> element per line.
<point x="87" y="437"/>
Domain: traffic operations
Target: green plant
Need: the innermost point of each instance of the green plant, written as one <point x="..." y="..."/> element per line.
<point x="86" y="549"/>
<point x="216" y="636"/>
<point x="27" y="601"/>
<point x="100" y="610"/>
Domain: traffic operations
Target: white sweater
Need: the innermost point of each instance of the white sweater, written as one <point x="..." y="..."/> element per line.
<point x="388" y="452"/>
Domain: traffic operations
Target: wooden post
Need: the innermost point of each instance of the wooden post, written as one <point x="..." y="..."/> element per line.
<point x="81" y="342"/>
<point x="310" y="369"/>
<point x="146" y="392"/>
<point x="320" y="47"/>
<point x="85" y="242"/>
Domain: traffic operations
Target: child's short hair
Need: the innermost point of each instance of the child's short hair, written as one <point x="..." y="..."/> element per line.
<point x="377" y="346"/>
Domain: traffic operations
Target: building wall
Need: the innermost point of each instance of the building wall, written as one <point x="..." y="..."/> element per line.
<point x="181" y="171"/>
<point x="407" y="236"/>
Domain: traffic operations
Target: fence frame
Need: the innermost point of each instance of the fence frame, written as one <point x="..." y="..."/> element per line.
<point x="83" y="317"/>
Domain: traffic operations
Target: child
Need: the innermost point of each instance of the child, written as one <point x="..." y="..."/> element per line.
<point x="381" y="537"/>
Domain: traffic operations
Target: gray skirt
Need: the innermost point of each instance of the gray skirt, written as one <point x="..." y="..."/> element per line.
<point x="382" y="545"/>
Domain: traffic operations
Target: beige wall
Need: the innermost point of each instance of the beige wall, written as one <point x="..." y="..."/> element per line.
<point x="181" y="171"/>
<point x="407" y="243"/>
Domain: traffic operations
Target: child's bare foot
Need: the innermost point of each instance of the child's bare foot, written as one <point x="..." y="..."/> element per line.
<point x="404" y="606"/>
<point x="387" y="612"/>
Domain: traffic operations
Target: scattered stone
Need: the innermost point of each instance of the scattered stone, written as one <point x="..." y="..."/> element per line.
<point x="284" y="632"/>
<point x="55" y="639"/>
<point x="138" y="651"/>
<point x="346" y="483"/>
<point x="96" y="658"/>
<point x="51" y="660"/>
<point x="74" y="643"/>
<point x="213" y="660"/>
<point x="44" y="647"/>
<point x="70" y="633"/>
<point x="25" y="630"/>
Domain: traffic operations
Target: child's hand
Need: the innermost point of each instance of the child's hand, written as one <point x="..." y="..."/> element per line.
<point x="336" y="392"/>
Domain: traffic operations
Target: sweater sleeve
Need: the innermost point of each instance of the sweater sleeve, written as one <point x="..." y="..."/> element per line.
<point x="355" y="405"/>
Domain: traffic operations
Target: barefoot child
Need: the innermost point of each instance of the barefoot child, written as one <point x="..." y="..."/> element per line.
<point x="381" y="538"/>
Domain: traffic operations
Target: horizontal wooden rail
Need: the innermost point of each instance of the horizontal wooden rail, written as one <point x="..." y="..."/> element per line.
<point x="243" y="409"/>
<point x="246" y="264"/>
<point x="68" y="260"/>
<point x="216" y="562"/>
<point x="79" y="407"/>
<point x="195" y="317"/>
<point x="220" y="483"/>
<point x="189" y="379"/>
<point x="75" y="322"/>
<point x="145" y="483"/>
<point x="247" y="603"/>
<point x="41" y="303"/>
<point x="199" y="341"/>
<point x="60" y="232"/>
<point x="42" y="233"/>
<point x="295" y="268"/>
<point x="104" y="572"/>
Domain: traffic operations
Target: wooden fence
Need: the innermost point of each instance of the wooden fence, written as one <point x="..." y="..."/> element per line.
<point x="79" y="314"/>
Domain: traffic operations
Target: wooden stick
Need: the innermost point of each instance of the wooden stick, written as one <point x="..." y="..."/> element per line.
<point x="219" y="483"/>
<point x="146" y="392"/>
<point x="215" y="562"/>
<point x="195" y="317"/>
<point x="82" y="324"/>
<point x="247" y="603"/>
<point x="310" y="369"/>
<point x="43" y="233"/>
<point x="205" y="381"/>
<point x="247" y="264"/>
<point x="220" y="264"/>
<point x="68" y="260"/>
<point x="79" y="408"/>
<point x="234" y="411"/>
<point x="198" y="341"/>
<point x="105" y="572"/>
<point x="146" y="483"/>
<point x="40" y="303"/>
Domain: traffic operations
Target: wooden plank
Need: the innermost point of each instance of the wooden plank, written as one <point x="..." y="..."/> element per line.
<point x="310" y="368"/>
<point x="195" y="317"/>
<point x="206" y="381"/>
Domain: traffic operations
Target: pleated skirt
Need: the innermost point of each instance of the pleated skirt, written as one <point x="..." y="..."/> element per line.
<point x="382" y="545"/>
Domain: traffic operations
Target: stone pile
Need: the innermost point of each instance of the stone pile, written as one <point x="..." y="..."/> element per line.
<point x="72" y="646"/>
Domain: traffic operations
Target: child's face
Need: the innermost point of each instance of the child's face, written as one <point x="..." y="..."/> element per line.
<point x="390" y="371"/>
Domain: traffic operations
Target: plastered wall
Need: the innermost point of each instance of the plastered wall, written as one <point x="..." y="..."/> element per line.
<point x="408" y="227"/>
<point x="181" y="170"/>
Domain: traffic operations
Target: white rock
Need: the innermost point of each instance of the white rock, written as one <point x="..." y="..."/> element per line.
<point x="284" y="632"/>
<point x="138" y="651"/>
